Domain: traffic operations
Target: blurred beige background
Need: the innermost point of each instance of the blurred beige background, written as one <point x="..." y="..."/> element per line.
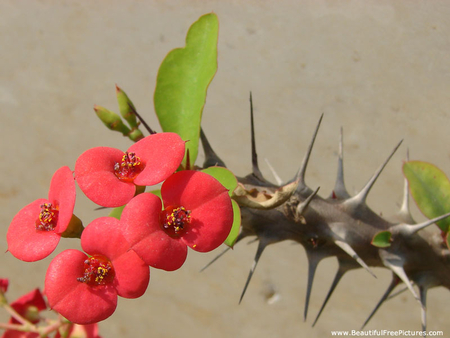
<point x="380" y="69"/>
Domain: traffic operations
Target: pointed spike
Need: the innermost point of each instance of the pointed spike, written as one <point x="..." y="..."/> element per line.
<point x="241" y="236"/>
<point x="423" y="301"/>
<point x="255" y="166"/>
<point x="396" y="265"/>
<point x="361" y="197"/>
<point x="343" y="268"/>
<point x="216" y="258"/>
<point x="211" y="158"/>
<point x="404" y="212"/>
<point x="313" y="261"/>
<point x="349" y="250"/>
<point x="301" y="208"/>
<point x="399" y="292"/>
<point x="340" y="191"/>
<point x="394" y="282"/>
<point x="409" y="229"/>
<point x="274" y="173"/>
<point x="261" y="246"/>
<point x="301" y="173"/>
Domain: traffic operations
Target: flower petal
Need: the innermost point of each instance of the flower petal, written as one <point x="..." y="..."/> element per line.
<point x="210" y="205"/>
<point x="104" y="236"/>
<point x="132" y="275"/>
<point x="141" y="228"/>
<point x="24" y="241"/>
<point x="62" y="191"/>
<point x="94" y="173"/>
<point x="161" y="153"/>
<point x="77" y="301"/>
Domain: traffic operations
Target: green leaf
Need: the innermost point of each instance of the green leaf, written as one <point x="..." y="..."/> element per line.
<point x="236" y="227"/>
<point x="117" y="212"/>
<point x="430" y="188"/>
<point x="229" y="181"/>
<point x="448" y="240"/>
<point x="382" y="239"/>
<point x="224" y="176"/>
<point x="182" y="82"/>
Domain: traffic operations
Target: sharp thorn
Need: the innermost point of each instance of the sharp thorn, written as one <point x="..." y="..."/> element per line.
<point x="423" y="301"/>
<point x="261" y="246"/>
<point x="304" y="205"/>
<point x="255" y="167"/>
<point x="349" y="250"/>
<point x="361" y="197"/>
<point x="301" y="173"/>
<point x="241" y="236"/>
<point x="404" y="213"/>
<point x="211" y="158"/>
<point x="274" y="173"/>
<point x="409" y="229"/>
<point x="398" y="292"/>
<point x="215" y="258"/>
<point x="313" y="261"/>
<point x="339" y="188"/>
<point x="396" y="265"/>
<point x="394" y="282"/>
<point x="340" y="272"/>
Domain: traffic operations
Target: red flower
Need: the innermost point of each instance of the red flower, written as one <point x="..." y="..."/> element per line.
<point x="4" y="282"/>
<point x="36" y="230"/>
<point x="82" y="331"/>
<point x="84" y="288"/>
<point x="109" y="176"/>
<point x="28" y="306"/>
<point x="198" y="214"/>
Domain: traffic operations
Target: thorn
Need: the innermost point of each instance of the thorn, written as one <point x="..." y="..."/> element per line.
<point x="301" y="173"/>
<point x="313" y="262"/>
<point x="141" y="119"/>
<point x="410" y="229"/>
<point x="423" y="302"/>
<point x="211" y="158"/>
<point x="216" y="258"/>
<point x="339" y="188"/>
<point x="395" y="263"/>
<point x="261" y="246"/>
<point x="188" y="160"/>
<point x="301" y="208"/>
<point x="274" y="173"/>
<point x="238" y="239"/>
<point x="255" y="167"/>
<point x="404" y="212"/>
<point x="349" y="250"/>
<point x="360" y="198"/>
<point x="343" y="268"/>
<point x="394" y="282"/>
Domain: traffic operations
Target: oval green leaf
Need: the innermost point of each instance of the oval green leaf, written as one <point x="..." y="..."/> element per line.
<point x="224" y="176"/>
<point x="430" y="189"/>
<point x="382" y="239"/>
<point x="229" y="181"/>
<point x="182" y="82"/>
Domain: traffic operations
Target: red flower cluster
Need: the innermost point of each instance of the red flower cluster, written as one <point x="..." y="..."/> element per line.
<point x="195" y="211"/>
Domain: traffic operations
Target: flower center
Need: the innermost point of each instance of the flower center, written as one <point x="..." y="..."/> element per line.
<point x="48" y="217"/>
<point x="128" y="168"/>
<point x="174" y="220"/>
<point x="98" y="270"/>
